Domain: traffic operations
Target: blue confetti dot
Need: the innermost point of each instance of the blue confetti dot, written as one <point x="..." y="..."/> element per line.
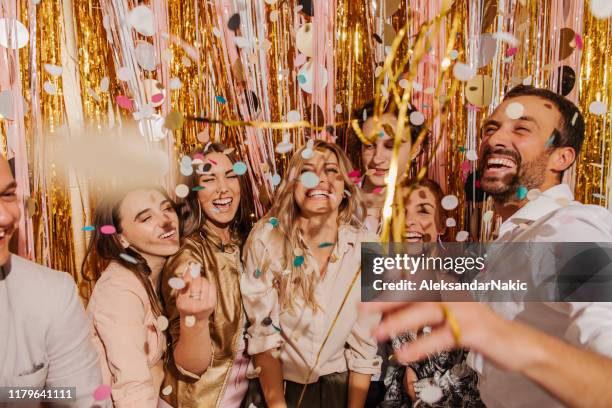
<point x="521" y="192"/>
<point x="298" y="261"/>
<point x="276" y="179"/>
<point x="220" y="99"/>
<point x="550" y="141"/>
<point x="239" y="168"/>
<point x="257" y="273"/>
<point x="274" y="221"/>
<point x="88" y="228"/>
<point x="301" y="79"/>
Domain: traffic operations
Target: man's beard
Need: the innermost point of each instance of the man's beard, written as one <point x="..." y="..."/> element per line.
<point x="530" y="175"/>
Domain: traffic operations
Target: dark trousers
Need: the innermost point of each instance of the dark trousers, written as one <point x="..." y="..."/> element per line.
<point x="330" y="391"/>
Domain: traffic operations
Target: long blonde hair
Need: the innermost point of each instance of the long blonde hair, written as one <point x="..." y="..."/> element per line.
<point x="351" y="212"/>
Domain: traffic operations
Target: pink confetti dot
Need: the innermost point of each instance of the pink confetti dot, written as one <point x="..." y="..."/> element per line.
<point x="102" y="392"/>
<point x="579" y="43"/>
<point x="477" y="183"/>
<point x="157" y="98"/>
<point x="354" y="174"/>
<point x="465" y="166"/>
<point x="212" y="161"/>
<point x="377" y="190"/>
<point x="124" y="102"/>
<point x="511" y="51"/>
<point x="108" y="229"/>
<point x="198" y="156"/>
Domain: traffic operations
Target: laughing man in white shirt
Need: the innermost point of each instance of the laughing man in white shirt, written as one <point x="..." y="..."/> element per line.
<point x="528" y="143"/>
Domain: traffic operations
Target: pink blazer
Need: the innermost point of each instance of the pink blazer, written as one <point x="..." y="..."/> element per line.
<point x="130" y="345"/>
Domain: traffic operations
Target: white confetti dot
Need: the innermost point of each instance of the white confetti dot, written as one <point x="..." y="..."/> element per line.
<point x="276" y="180"/>
<point x="167" y="390"/>
<point x="462" y="236"/>
<point x="463" y="72"/>
<point x="216" y="32"/>
<point x="597" y="108"/>
<point x="487" y="216"/>
<point x="195" y="269"/>
<point x="528" y="81"/>
<point x="175" y="83"/>
<point x="182" y="190"/>
<point x="471" y="155"/>
<point x="515" y="110"/>
<point x="307" y="153"/>
<point x="293" y="116"/>
<point x="601" y="9"/>
<point x="176" y="283"/>
<point x="274" y="15"/>
<point x="123" y="73"/>
<point x="50" y="88"/>
<point x="54" y="70"/>
<point x="13" y="34"/>
<point x="104" y="82"/>
<point x="430" y="394"/>
<point x="403" y="83"/>
<point x="186" y="171"/>
<point x="283" y="148"/>
<point x="450" y="202"/>
<point x="142" y="20"/>
<point x="416" y="86"/>
<point x="309" y="179"/>
<point x="417" y="118"/>
<point x="161" y="323"/>
<point x="533" y="194"/>
<point x="190" y="321"/>
<point x="450" y="222"/>
<point x="338" y="108"/>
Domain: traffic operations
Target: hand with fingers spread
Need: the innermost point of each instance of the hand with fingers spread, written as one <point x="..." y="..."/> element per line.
<point x="198" y="298"/>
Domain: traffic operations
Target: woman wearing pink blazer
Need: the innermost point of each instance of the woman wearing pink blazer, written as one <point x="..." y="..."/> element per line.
<point x="136" y="231"/>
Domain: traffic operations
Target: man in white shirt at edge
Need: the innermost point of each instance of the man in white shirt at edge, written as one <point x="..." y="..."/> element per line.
<point x="44" y="334"/>
<point x="528" y="142"/>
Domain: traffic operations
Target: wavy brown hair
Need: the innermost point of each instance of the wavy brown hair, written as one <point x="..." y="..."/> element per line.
<point x="189" y="209"/>
<point x="285" y="209"/>
<point x="110" y="249"/>
<point x="404" y="190"/>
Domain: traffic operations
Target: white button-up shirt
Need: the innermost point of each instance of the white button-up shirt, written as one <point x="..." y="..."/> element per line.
<point x="299" y="334"/>
<point x="553" y="216"/>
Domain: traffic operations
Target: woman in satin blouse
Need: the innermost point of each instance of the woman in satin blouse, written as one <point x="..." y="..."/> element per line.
<point x="215" y="219"/>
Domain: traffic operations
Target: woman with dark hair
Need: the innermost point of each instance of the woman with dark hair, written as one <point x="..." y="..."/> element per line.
<point x="442" y="380"/>
<point x="215" y="219"/>
<point x="135" y="231"/>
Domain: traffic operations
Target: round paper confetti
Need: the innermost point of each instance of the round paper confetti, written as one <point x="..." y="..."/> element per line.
<point x="54" y="70"/>
<point x="514" y="110"/>
<point x="50" y="88"/>
<point x="307" y="72"/>
<point x="173" y="120"/>
<point x="153" y="127"/>
<point x="124" y="102"/>
<point x="167" y="390"/>
<point x="14" y="31"/>
<point x="338" y="108"/>
<point x="108" y="229"/>
<point x="601" y="9"/>
<point x="487" y="216"/>
<point x="298" y="261"/>
<point x="276" y="179"/>
<point x="257" y="273"/>
<point x="186" y="170"/>
<point x="234" y="22"/>
<point x="521" y="192"/>
<point x="123" y="73"/>
<point x="274" y="221"/>
<point x="307" y="153"/>
<point x="161" y="323"/>
<point x="309" y="179"/>
<point x="102" y="392"/>
<point x="471" y="155"/>
<point x="142" y="20"/>
<point x="417" y="118"/>
<point x="463" y="72"/>
<point x="453" y="54"/>
<point x="403" y="83"/>
<point x="274" y="15"/>
<point x="220" y="99"/>
<point x="293" y="116"/>
<point x="450" y="222"/>
<point x="450" y="202"/>
<point x="181" y="190"/>
<point x="597" y="108"/>
<point x="128" y="258"/>
<point x="176" y="283"/>
<point x="88" y="228"/>
<point x="533" y="194"/>
<point x="430" y="394"/>
<point x="195" y="270"/>
<point x="190" y="321"/>
<point x="145" y="56"/>
<point x="462" y="236"/>
<point x="239" y="168"/>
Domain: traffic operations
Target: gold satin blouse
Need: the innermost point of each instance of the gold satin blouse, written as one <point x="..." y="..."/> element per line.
<point x="221" y="266"/>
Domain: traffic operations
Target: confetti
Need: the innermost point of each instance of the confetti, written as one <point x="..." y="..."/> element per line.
<point x="450" y="222"/>
<point x="276" y="179"/>
<point x="298" y="261"/>
<point x="173" y="120"/>
<point x="274" y="221"/>
<point x="50" y="88"/>
<point x="528" y="81"/>
<point x="450" y="202"/>
<point x="220" y="99"/>
<point x="597" y="108"/>
<point x="521" y="193"/>
<point x="417" y="118"/>
<point x="511" y="51"/>
<point x="167" y="390"/>
<point x="487" y="216"/>
<point x="515" y="110"/>
<point x="108" y="229"/>
<point x="190" y="321"/>
<point x="124" y="102"/>
<point x="463" y="72"/>
<point x="175" y="83"/>
<point x="186" y="170"/>
<point x="216" y="32"/>
<point x="430" y="394"/>
<point x="88" y="228"/>
<point x="307" y="153"/>
<point x="102" y="392"/>
<point x="325" y="244"/>
<point x="338" y="108"/>
<point x="239" y="168"/>
<point x="182" y="190"/>
<point x="128" y="258"/>
<point x="274" y="16"/>
<point x="142" y="20"/>
<point x="234" y="22"/>
<point x="197" y="188"/>
<point x="462" y="236"/>
<point x="533" y="194"/>
<point x="307" y="71"/>
<point x="228" y="151"/>
<point x="309" y="179"/>
<point x="176" y="283"/>
<point x="161" y="323"/>
<point x="13" y="34"/>
<point x="257" y="273"/>
<point x="453" y="54"/>
<point x="550" y="141"/>
<point x="347" y="193"/>
<point x="195" y="270"/>
<point x="377" y="190"/>
<point x="601" y="9"/>
<point x="53" y="70"/>
<point x="354" y="174"/>
<point x="145" y="56"/>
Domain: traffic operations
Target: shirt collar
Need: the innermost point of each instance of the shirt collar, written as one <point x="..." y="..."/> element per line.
<point x="543" y="204"/>
<point x="208" y="234"/>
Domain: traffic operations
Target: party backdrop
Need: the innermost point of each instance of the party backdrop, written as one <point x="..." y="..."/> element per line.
<point x="264" y="77"/>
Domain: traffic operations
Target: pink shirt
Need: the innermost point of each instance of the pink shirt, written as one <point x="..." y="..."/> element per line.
<point x="131" y="347"/>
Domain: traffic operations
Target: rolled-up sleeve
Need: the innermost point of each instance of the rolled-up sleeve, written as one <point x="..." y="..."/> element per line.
<point x="120" y="324"/>
<point x="259" y="296"/>
<point x="361" y="354"/>
<point x="591" y="325"/>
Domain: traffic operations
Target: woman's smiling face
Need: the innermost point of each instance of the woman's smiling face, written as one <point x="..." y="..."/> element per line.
<point x="220" y="194"/>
